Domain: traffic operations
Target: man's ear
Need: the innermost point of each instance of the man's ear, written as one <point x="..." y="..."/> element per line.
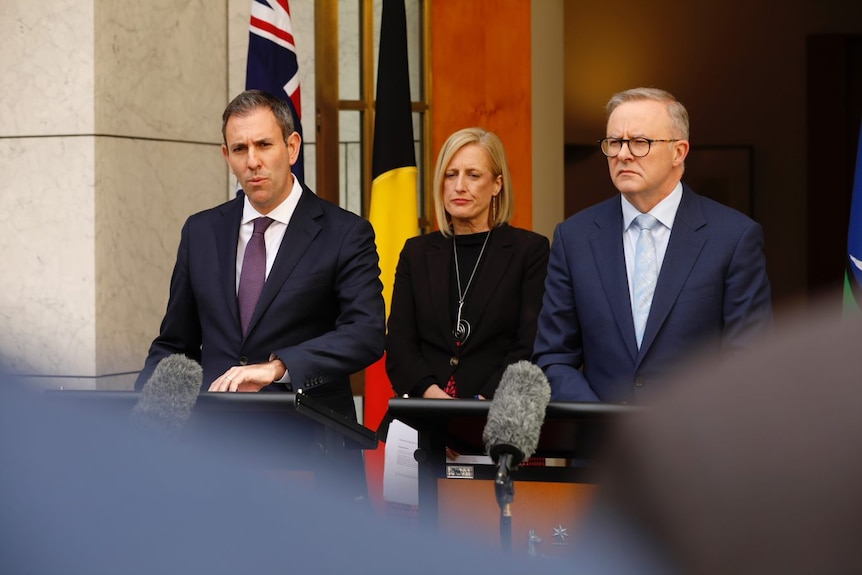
<point x="680" y="151"/>
<point x="294" y="144"/>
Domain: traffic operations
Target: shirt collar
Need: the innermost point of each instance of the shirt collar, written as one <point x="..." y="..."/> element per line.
<point x="281" y="213"/>
<point x="664" y="211"/>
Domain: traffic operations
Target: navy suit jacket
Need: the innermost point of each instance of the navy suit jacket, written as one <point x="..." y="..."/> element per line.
<point x="503" y="307"/>
<point x="712" y="293"/>
<point x="321" y="311"/>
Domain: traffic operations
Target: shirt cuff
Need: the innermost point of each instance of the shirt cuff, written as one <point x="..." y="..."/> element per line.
<point x="286" y="377"/>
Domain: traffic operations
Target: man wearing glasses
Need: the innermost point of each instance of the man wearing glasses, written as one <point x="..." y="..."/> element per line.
<point x="637" y="282"/>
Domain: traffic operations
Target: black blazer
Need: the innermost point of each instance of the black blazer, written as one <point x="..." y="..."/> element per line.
<point x="503" y="306"/>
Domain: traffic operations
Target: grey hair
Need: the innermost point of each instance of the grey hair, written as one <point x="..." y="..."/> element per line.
<point x="677" y="112"/>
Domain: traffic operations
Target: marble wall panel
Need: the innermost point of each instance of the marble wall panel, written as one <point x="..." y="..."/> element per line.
<point x="239" y="12"/>
<point x="145" y="190"/>
<point x="46" y="55"/>
<point x="160" y="68"/>
<point x="47" y="288"/>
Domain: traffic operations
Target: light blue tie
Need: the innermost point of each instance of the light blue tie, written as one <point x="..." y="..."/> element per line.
<point x="646" y="273"/>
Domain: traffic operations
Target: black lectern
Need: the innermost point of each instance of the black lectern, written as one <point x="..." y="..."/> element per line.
<point x="267" y="431"/>
<point x="571" y="431"/>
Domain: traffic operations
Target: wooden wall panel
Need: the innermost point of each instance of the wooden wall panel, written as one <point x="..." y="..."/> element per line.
<point x="480" y="76"/>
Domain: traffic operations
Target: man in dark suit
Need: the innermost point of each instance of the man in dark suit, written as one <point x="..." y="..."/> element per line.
<point x="319" y="316"/>
<point x="623" y="305"/>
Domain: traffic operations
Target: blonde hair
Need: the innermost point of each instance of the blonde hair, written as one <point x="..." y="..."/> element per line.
<point x="490" y="142"/>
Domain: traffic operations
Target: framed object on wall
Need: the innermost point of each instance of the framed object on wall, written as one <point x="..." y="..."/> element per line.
<point x="724" y="174"/>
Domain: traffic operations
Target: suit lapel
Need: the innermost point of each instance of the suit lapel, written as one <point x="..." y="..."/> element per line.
<point x="439" y="279"/>
<point x="684" y="247"/>
<point x="226" y="232"/>
<point x="301" y="231"/>
<point x="607" y="246"/>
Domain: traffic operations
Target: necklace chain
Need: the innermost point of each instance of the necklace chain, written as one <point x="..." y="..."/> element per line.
<point x="462" y="295"/>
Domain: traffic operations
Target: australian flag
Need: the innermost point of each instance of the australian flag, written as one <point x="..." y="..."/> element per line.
<point x="272" y="63"/>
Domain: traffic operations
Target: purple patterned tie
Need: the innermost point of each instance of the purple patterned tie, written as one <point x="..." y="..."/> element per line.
<point x="253" y="273"/>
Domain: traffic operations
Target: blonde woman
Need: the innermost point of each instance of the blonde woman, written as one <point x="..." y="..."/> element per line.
<point x="467" y="297"/>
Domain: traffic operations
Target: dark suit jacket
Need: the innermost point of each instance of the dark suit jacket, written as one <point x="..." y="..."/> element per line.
<point x="321" y="310"/>
<point x="712" y="291"/>
<point x="503" y="307"/>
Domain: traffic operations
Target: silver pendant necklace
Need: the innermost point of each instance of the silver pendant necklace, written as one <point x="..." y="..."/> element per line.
<point x="462" y="326"/>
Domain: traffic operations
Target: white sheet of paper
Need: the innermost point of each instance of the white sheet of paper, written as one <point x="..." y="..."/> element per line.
<point x="400" y="469"/>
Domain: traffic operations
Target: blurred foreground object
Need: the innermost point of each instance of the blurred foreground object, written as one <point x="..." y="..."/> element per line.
<point x="750" y="467"/>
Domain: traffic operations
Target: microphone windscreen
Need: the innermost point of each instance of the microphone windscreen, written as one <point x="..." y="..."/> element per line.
<point x="517" y="411"/>
<point x="168" y="397"/>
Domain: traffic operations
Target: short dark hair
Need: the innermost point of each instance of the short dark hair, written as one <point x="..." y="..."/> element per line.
<point x="249" y="101"/>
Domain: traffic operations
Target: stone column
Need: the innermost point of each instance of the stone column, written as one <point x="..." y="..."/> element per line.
<point x="110" y="117"/>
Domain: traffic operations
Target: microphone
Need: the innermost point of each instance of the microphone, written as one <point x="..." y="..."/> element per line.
<point x="168" y="396"/>
<point x="515" y="416"/>
<point x="511" y="432"/>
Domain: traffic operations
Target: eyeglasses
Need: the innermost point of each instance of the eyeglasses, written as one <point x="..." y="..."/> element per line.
<point x="639" y="147"/>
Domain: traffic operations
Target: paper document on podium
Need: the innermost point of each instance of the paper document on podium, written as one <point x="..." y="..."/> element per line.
<point x="400" y="470"/>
